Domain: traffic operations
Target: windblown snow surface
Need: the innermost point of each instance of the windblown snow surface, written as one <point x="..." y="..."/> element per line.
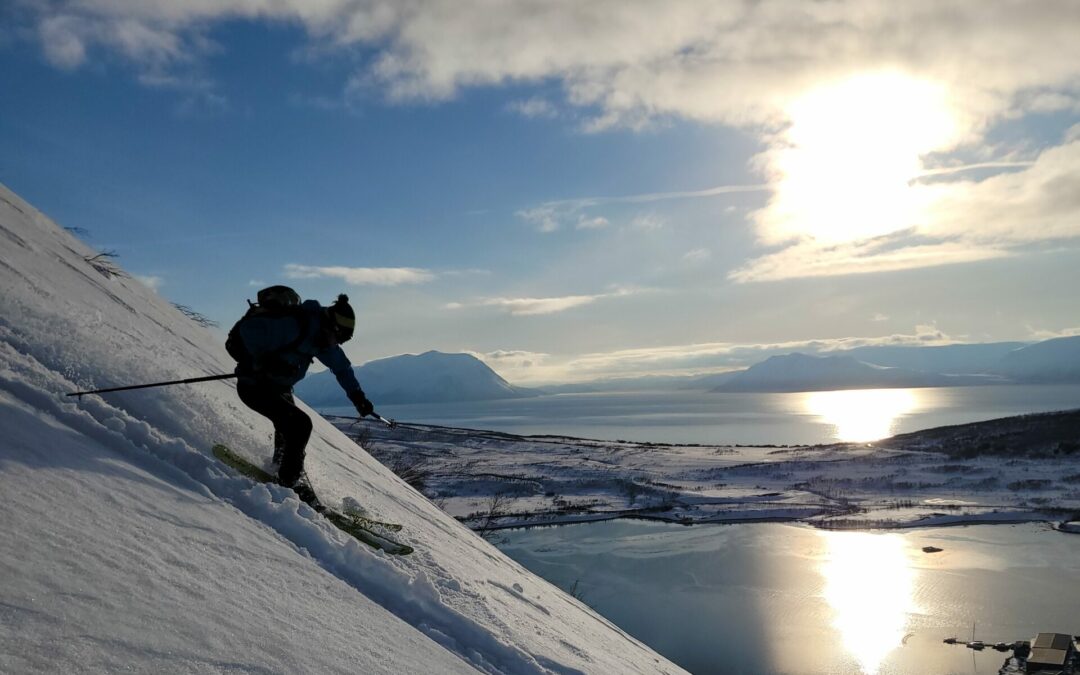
<point x="127" y="546"/>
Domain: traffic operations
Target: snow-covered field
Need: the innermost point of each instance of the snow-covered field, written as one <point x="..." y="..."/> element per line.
<point x="127" y="546"/>
<point x="1019" y="469"/>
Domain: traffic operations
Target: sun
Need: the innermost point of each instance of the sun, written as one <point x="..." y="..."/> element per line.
<point x="844" y="166"/>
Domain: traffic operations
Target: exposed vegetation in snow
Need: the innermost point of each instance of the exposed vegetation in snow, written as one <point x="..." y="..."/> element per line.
<point x="1014" y="469"/>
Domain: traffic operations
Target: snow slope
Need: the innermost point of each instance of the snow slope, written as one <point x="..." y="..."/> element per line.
<point x="127" y="546"/>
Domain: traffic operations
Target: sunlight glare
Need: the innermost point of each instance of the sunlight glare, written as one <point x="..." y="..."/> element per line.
<point x="849" y="155"/>
<point x="861" y="415"/>
<point x="869" y="584"/>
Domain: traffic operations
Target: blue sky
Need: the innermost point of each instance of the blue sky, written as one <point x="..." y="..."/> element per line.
<point x="569" y="190"/>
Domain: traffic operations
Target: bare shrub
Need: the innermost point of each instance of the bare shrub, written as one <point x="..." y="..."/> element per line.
<point x="198" y="318"/>
<point x="494" y="508"/>
<point x="412" y="469"/>
<point x="104" y="263"/>
<point x="576" y="592"/>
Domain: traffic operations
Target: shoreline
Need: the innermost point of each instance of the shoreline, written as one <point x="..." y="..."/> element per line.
<point x="1011" y="470"/>
<point x="1067" y="527"/>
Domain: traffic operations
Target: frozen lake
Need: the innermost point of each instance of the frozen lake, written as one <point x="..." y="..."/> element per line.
<point x="770" y="598"/>
<point x="719" y="418"/>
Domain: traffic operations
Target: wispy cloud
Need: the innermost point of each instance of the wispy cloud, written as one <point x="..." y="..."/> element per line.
<point x="538" y="306"/>
<point x="813" y="260"/>
<point x="531" y="306"/>
<point x="362" y="276"/>
<point x="553" y="215"/>
<point x="955" y="222"/>
<point x="963" y="168"/>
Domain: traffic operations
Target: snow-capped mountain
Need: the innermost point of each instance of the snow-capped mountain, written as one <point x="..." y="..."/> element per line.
<point x="1056" y="360"/>
<point x="956" y="359"/>
<point x="803" y="372"/>
<point x="431" y="377"/>
<point x="128" y="546"/>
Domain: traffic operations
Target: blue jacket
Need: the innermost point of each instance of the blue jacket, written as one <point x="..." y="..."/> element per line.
<point x="282" y="348"/>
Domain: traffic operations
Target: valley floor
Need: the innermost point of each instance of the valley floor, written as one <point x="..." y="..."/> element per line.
<point x="1013" y="470"/>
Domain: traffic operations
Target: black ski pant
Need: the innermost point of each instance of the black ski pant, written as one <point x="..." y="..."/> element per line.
<point x="292" y="427"/>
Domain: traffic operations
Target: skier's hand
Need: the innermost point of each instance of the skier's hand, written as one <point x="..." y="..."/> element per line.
<point x="363" y="405"/>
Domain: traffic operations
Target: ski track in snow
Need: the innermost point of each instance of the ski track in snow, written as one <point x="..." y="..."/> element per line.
<point x="65" y="327"/>
<point x="275" y="506"/>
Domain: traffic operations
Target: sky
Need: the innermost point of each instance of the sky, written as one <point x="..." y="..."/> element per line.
<point x="570" y="190"/>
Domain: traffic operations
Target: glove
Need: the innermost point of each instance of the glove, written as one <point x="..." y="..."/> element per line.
<point x="363" y="405"/>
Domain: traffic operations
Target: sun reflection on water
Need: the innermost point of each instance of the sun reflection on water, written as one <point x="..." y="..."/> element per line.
<point x="861" y="415"/>
<point x="869" y="585"/>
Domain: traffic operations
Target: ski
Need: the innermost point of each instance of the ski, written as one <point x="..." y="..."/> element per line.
<point x="353" y="510"/>
<point x="351" y="522"/>
<point x="241" y="465"/>
<point x="373" y="539"/>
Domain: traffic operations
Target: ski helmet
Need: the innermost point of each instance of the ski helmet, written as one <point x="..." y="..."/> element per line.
<point x="342" y="318"/>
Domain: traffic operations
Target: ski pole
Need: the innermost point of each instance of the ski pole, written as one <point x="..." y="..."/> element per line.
<point x="192" y="380"/>
<point x="390" y="423"/>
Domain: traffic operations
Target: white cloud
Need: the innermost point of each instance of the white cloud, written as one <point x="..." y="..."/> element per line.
<point x="957" y="221"/>
<point x="745" y="63"/>
<point x="1043" y="334"/>
<point x="599" y="222"/>
<point x="730" y="61"/>
<point x="534" y="107"/>
<point x="152" y="282"/>
<point x="697" y="255"/>
<point x="362" y="276"/>
<point x="60" y="39"/>
<point x="539" y="306"/>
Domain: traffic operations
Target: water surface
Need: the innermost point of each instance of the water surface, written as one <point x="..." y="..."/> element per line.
<point x="722" y="418"/>
<point x="773" y="598"/>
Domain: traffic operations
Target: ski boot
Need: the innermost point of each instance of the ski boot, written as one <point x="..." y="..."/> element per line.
<point x="303" y="490"/>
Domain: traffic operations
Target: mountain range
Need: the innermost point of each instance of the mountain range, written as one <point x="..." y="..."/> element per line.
<point x="438" y="377"/>
<point x="804" y="372"/>
<point x="431" y="377"/>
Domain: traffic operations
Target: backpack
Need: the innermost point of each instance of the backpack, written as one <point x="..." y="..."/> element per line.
<point x="272" y="302"/>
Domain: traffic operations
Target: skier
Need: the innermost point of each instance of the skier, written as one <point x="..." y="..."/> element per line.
<point x="273" y="344"/>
